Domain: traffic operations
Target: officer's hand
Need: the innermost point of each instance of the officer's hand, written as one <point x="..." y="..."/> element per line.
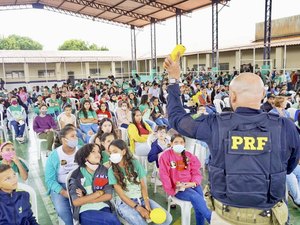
<point x="172" y="67"/>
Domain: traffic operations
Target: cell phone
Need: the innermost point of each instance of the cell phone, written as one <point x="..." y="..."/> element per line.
<point x="179" y="48"/>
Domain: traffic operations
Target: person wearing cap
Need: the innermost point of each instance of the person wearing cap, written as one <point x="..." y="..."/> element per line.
<point x="251" y="152"/>
<point x="269" y="104"/>
<point x="9" y="157"/>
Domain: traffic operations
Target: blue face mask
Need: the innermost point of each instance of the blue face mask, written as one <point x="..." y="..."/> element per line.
<point x="178" y="148"/>
<point x="72" y="143"/>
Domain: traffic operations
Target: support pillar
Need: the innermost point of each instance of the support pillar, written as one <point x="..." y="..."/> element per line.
<point x="26" y="73"/>
<point x="238" y="57"/>
<point x="279" y="56"/>
<point x="153" y="69"/>
<point x="178" y="27"/>
<point x="184" y="64"/>
<point x="113" y="68"/>
<point x="207" y="61"/>
<point x="87" y="69"/>
<point x="58" y="71"/>
<point x="133" y="51"/>
<point x="215" y="36"/>
<point x="267" y="32"/>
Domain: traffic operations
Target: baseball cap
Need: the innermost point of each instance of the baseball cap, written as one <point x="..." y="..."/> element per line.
<point x="270" y="95"/>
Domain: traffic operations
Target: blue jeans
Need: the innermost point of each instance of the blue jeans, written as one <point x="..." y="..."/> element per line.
<point x="62" y="206"/>
<point x="133" y="217"/>
<point x="19" y="129"/>
<point x="293" y="184"/>
<point x="86" y="128"/>
<point x="98" y="217"/>
<point x="150" y="123"/>
<point x="195" y="196"/>
<point x="162" y="121"/>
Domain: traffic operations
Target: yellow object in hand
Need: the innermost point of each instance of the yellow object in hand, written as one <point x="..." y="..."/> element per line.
<point x="158" y="216"/>
<point x="178" y="48"/>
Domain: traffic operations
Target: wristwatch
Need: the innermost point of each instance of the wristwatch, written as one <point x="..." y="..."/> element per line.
<point x="174" y="81"/>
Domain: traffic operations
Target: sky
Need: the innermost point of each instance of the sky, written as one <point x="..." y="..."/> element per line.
<point x="236" y="27"/>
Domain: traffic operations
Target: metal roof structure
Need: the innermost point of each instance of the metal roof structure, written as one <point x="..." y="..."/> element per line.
<point x="137" y="13"/>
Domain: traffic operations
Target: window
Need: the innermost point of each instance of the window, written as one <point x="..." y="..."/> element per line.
<point x="224" y="66"/>
<point x="46" y="73"/>
<point x="119" y="70"/>
<point x="95" y="72"/>
<point x="15" y="74"/>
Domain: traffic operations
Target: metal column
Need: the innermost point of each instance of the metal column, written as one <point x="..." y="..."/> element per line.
<point x="267" y="32"/>
<point x="178" y="27"/>
<point x="153" y="45"/>
<point x="133" y="50"/>
<point x="215" y="34"/>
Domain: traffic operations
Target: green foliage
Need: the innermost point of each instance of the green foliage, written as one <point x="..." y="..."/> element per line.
<point x="79" y="45"/>
<point x="16" y="42"/>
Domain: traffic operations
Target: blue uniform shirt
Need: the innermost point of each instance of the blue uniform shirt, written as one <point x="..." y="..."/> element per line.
<point x="205" y="127"/>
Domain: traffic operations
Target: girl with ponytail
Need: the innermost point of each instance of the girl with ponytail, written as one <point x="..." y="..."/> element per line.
<point x="180" y="175"/>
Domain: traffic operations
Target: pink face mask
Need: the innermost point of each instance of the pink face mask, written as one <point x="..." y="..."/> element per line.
<point x="8" y="156"/>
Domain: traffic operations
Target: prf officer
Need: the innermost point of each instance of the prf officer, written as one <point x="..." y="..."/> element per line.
<point x="251" y="152"/>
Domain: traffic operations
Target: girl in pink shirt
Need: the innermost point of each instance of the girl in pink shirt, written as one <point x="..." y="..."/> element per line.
<point x="180" y="175"/>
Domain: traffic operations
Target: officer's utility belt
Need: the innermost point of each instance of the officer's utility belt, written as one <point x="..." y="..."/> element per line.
<point x="278" y="215"/>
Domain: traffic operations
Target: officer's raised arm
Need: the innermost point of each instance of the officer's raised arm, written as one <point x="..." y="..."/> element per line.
<point x="179" y="119"/>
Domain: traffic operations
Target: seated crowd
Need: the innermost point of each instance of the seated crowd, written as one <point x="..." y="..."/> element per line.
<point x="99" y="135"/>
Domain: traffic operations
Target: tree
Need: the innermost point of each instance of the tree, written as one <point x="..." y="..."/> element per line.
<point x="79" y="45"/>
<point x="16" y="42"/>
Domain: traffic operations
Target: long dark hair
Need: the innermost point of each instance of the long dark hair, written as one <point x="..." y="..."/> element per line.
<point x="184" y="157"/>
<point x="133" y="119"/>
<point x="83" y="153"/>
<point x="134" y="100"/>
<point x="84" y="111"/>
<point x="130" y="172"/>
<point x="144" y="100"/>
<point x="103" y="139"/>
<point x="62" y="134"/>
<point x="100" y="132"/>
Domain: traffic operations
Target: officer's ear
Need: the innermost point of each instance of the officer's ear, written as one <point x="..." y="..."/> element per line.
<point x="233" y="96"/>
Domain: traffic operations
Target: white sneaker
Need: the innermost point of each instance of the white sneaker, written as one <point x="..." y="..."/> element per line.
<point x="22" y="139"/>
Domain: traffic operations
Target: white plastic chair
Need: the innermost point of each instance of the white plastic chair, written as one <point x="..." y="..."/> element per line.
<point x="227" y="102"/>
<point x="292" y="112"/>
<point x="185" y="206"/>
<point x="190" y="144"/>
<point x="75" y="222"/>
<point x="201" y="153"/>
<point x="13" y="133"/>
<point x="33" y="198"/>
<point x="219" y="104"/>
<point x="59" y="117"/>
<point x="39" y="142"/>
<point x="74" y="103"/>
<point x="3" y="126"/>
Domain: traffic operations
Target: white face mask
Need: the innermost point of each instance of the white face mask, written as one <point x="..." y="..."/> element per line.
<point x="91" y="166"/>
<point x="178" y="148"/>
<point x="115" y="158"/>
<point x="124" y="108"/>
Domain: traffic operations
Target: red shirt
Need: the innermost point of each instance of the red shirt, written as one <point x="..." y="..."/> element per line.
<point x="106" y="112"/>
<point x="142" y="130"/>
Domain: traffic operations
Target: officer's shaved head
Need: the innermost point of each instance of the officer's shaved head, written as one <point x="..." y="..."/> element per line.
<point x="246" y="90"/>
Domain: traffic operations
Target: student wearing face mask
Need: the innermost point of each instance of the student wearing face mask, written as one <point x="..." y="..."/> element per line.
<point x="127" y="176"/>
<point x="89" y="190"/>
<point x="44" y="125"/>
<point x="9" y="157"/>
<point x="16" y="116"/>
<point x="180" y="175"/>
<point x="59" y="163"/>
<point x="123" y="115"/>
